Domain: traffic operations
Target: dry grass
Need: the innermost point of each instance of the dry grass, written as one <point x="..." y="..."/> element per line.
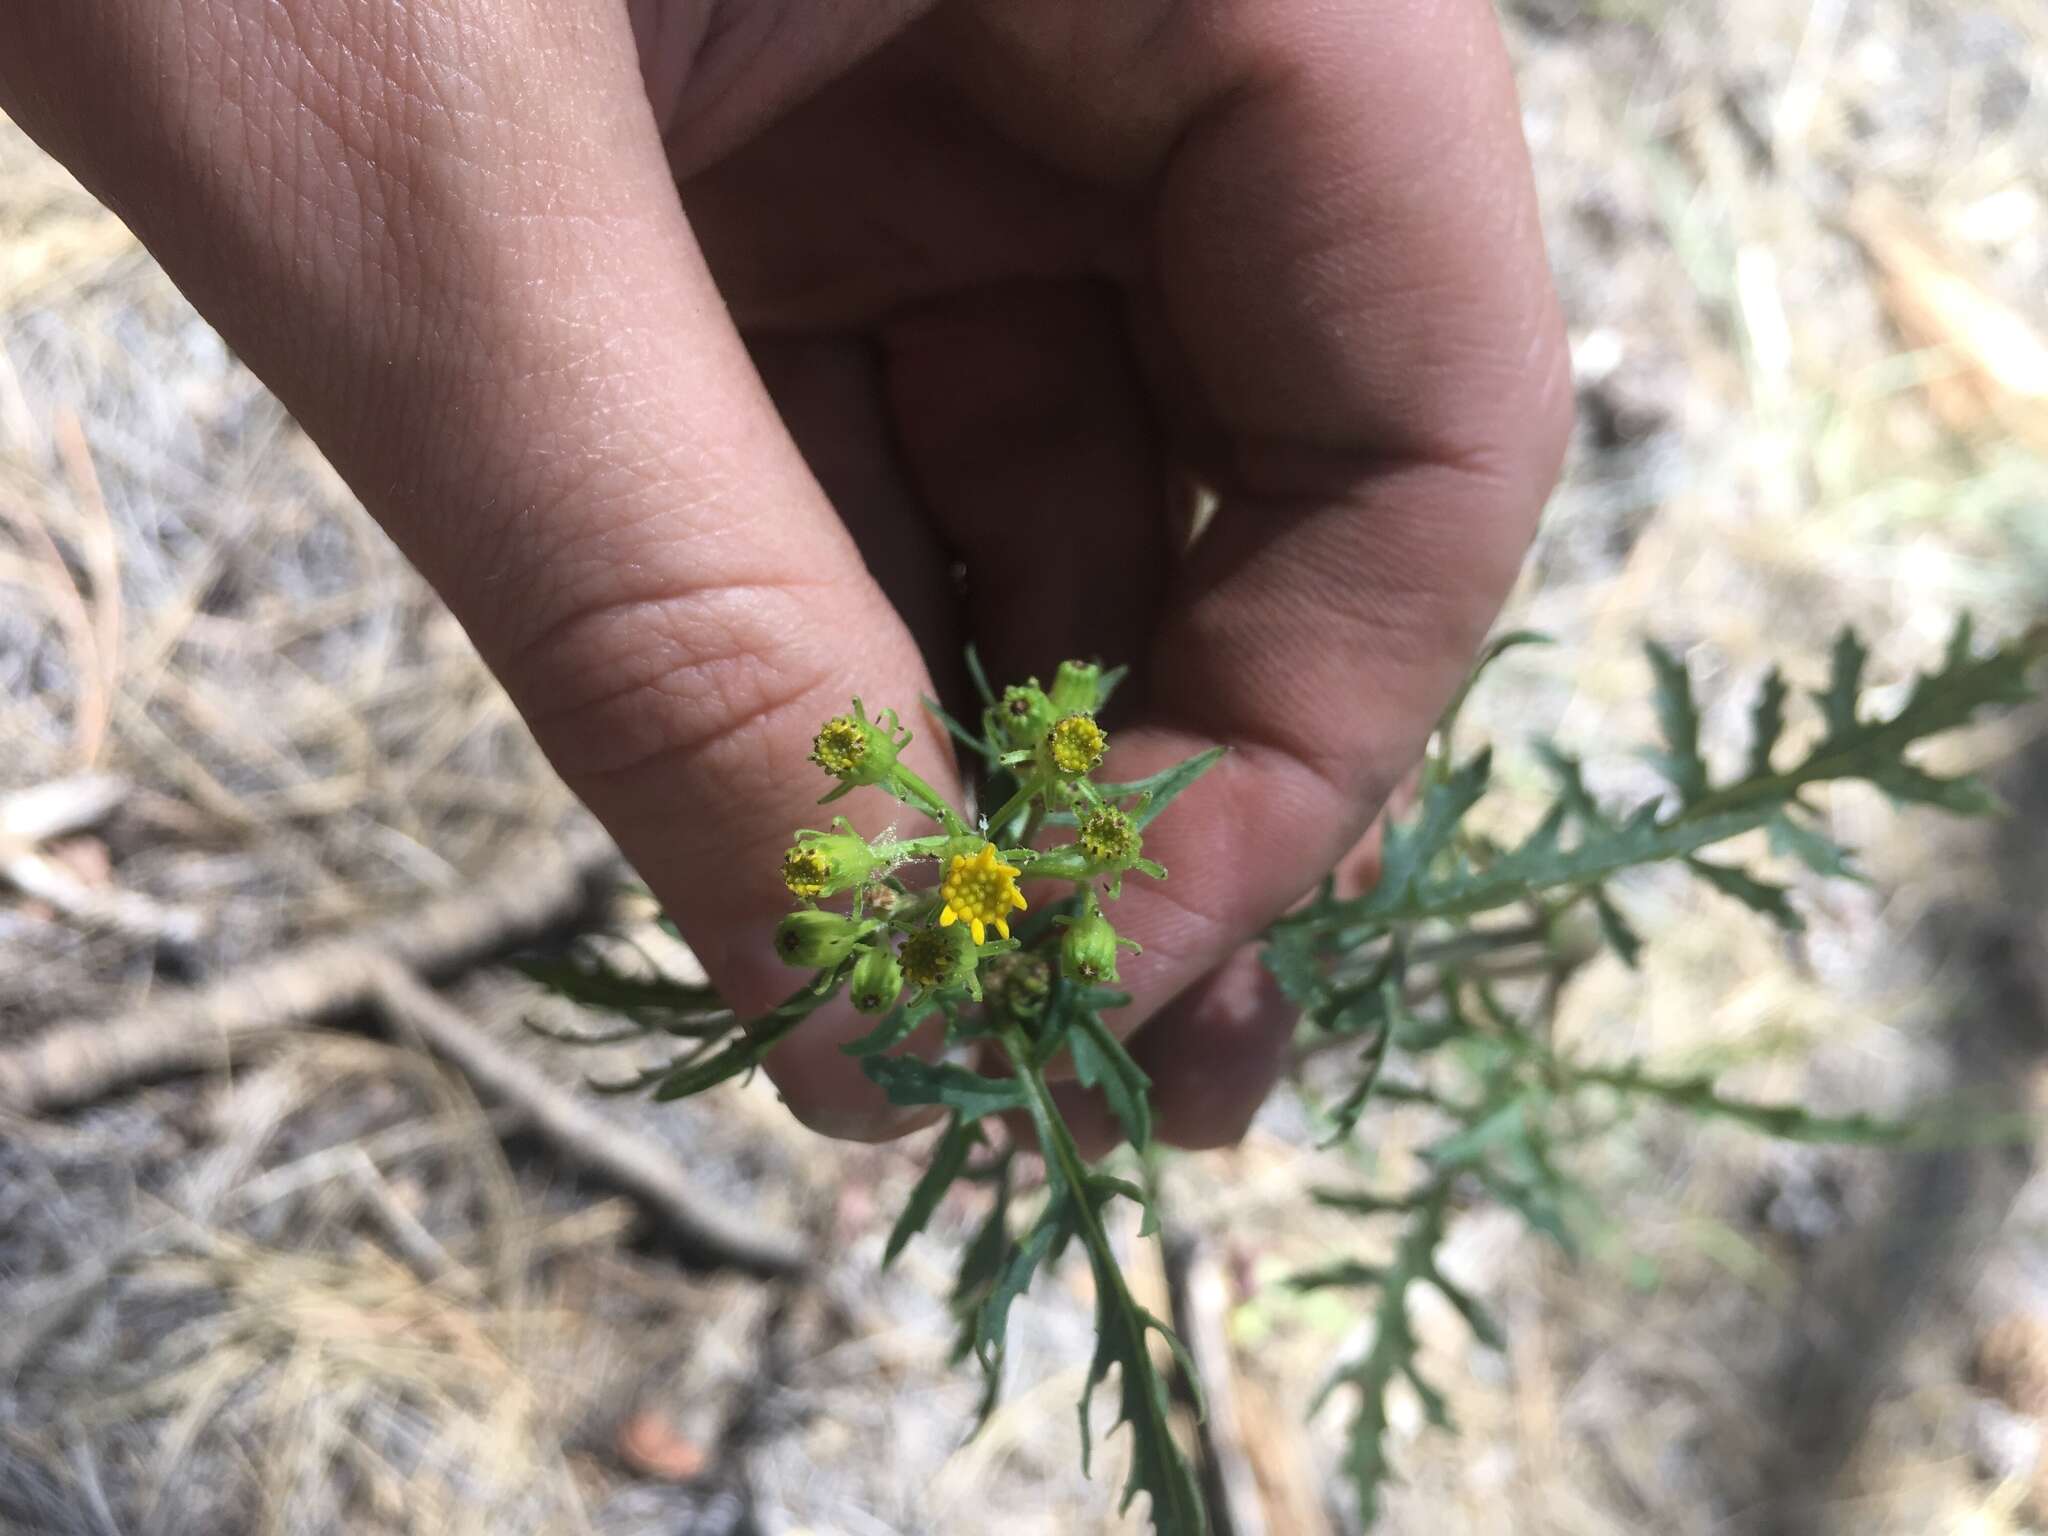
<point x="1803" y="250"/>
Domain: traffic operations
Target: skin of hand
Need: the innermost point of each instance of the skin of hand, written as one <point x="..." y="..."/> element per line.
<point x="957" y="305"/>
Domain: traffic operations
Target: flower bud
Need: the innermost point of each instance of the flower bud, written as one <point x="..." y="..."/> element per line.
<point x="1109" y="839"/>
<point x="1022" y="716"/>
<point x="818" y="940"/>
<point x="1018" y="983"/>
<point x="877" y="981"/>
<point x="826" y="863"/>
<point x="852" y="750"/>
<point x="1076" y="688"/>
<point x="1088" y="952"/>
<point x="938" y="957"/>
<point x="1074" y="746"/>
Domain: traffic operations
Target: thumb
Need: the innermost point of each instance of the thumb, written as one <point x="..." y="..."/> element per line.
<point x="447" y="235"/>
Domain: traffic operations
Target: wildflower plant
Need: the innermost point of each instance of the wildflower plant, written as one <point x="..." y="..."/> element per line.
<point x="932" y="933"/>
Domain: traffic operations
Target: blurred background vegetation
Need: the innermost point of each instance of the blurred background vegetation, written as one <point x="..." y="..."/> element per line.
<point x="321" y="1284"/>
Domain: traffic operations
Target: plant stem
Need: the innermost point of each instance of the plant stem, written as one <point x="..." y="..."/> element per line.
<point x="914" y="792"/>
<point x="1026" y="791"/>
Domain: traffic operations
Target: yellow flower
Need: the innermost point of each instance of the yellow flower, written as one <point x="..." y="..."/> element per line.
<point x="806" y="872"/>
<point x="1108" y="838"/>
<point x="841" y="746"/>
<point x="1077" y="744"/>
<point x="979" y="891"/>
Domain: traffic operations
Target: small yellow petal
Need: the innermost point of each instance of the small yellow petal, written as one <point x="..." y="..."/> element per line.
<point x="980" y="931"/>
<point x="1003" y="926"/>
<point x="1017" y="900"/>
<point x="948" y="918"/>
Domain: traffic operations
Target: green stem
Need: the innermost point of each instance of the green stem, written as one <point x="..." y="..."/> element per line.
<point x="914" y="792"/>
<point x="1061" y="1151"/>
<point x="1026" y="791"/>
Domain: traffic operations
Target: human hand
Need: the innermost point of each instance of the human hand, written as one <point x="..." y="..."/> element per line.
<point x="967" y="300"/>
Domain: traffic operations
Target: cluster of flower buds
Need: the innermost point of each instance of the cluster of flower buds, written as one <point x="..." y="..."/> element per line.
<point x="942" y="938"/>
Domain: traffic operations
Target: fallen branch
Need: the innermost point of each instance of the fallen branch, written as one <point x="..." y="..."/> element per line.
<point x="627" y="1159"/>
<point x="81" y="1060"/>
<point x="386" y="966"/>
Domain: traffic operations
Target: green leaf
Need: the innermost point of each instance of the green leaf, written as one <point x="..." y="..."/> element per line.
<point x="1679" y="715"/>
<point x="1014" y="1278"/>
<point x="1434" y="1408"/>
<point x="959" y="732"/>
<point x="1788" y="1122"/>
<point x="1162" y="788"/>
<point x="750" y="1044"/>
<point x="1447" y="722"/>
<point x="1792" y="838"/>
<point x="1964" y="796"/>
<point x="1757" y="895"/>
<point x="591" y="983"/>
<point x="1477" y="1318"/>
<point x="1291" y="955"/>
<point x="1391" y="1355"/>
<point x="1362" y="1204"/>
<point x="1500" y="1123"/>
<point x="1838" y="701"/>
<point x="1122" y="1327"/>
<point x="949" y="1156"/>
<point x="1410" y="847"/>
<point x="1615" y="928"/>
<point x="980" y="679"/>
<point x="908" y="1080"/>
<point x="1101" y="1062"/>
<point x="1766" y="722"/>
<point x="1345" y="1117"/>
<point x="1571" y="784"/>
<point x="894" y="1027"/>
<point x="1343" y="1274"/>
<point x="1157" y="1466"/>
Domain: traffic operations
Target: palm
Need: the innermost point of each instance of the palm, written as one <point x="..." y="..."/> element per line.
<point x="949" y="321"/>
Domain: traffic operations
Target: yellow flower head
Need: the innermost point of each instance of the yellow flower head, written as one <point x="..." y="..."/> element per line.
<point x="1077" y="745"/>
<point x="979" y="891"/>
<point x="841" y="747"/>
<point x="806" y="872"/>
<point x="1108" y="838"/>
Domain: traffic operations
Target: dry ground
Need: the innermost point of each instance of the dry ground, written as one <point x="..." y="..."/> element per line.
<point x="1804" y="251"/>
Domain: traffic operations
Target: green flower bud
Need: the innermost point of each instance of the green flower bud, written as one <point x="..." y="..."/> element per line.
<point x="1018" y="983"/>
<point x="938" y="957"/>
<point x="877" y="981"/>
<point x="1076" y="688"/>
<point x="1074" y="746"/>
<point x="1109" y="838"/>
<point x="826" y="863"/>
<point x="818" y="940"/>
<point x="854" y="751"/>
<point x="1022" y="716"/>
<point x="1088" y="952"/>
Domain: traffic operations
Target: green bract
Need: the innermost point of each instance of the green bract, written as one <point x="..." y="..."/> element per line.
<point x="1076" y="689"/>
<point x="877" y="981"/>
<point x="1022" y="715"/>
<point x="1088" y="952"/>
<point x="827" y="863"/>
<point x="855" y="750"/>
<point x="819" y="940"/>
